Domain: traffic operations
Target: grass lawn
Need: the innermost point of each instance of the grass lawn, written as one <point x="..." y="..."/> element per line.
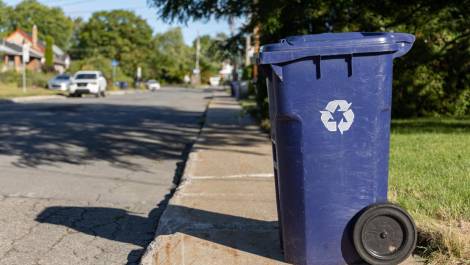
<point x="12" y="91"/>
<point x="430" y="177"/>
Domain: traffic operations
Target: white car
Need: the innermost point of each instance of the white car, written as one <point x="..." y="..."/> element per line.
<point x="88" y="82"/>
<point x="214" y="81"/>
<point x="153" y="85"/>
<point x="60" y="82"/>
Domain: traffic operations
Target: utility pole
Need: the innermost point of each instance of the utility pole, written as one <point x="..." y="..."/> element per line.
<point x="198" y="51"/>
<point x="248" y="50"/>
<point x="256" y="41"/>
<point x="196" y="78"/>
<point x="256" y="50"/>
<point x="114" y="64"/>
<point x="231" y="24"/>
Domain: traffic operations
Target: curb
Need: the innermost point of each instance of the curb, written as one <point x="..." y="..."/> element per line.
<point x="124" y="92"/>
<point x="148" y="257"/>
<point x="34" y="98"/>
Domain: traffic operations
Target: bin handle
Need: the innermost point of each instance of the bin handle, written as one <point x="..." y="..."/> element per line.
<point x="405" y="42"/>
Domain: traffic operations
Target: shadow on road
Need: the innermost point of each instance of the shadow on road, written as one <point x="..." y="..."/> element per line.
<point x="47" y="133"/>
<point x="431" y="125"/>
<point x="127" y="227"/>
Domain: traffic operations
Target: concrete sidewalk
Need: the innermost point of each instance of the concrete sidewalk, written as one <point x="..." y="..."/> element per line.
<point x="224" y="211"/>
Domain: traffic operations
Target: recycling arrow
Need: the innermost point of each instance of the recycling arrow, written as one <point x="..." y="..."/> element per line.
<point x="346" y="121"/>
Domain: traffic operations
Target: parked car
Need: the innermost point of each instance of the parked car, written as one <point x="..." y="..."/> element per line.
<point x="59" y="82"/>
<point x="88" y="82"/>
<point x="153" y="85"/>
<point x="214" y="81"/>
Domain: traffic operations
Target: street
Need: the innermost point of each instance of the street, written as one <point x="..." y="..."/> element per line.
<point x="84" y="180"/>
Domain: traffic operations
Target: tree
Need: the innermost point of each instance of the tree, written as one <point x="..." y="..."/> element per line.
<point x="49" y="53"/>
<point x="5" y="12"/>
<point x="432" y="79"/>
<point x="172" y="58"/>
<point x="116" y="34"/>
<point x="50" y="21"/>
<point x="212" y="54"/>
<point x="101" y="63"/>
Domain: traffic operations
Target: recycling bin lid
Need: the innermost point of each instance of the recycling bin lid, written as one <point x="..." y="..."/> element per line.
<point x="326" y="44"/>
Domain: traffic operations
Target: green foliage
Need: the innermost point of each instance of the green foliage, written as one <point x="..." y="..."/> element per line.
<point x="433" y="79"/>
<point x="36" y="79"/>
<point x="49" y="53"/>
<point x="9" y="77"/>
<point x="102" y="64"/>
<point x="172" y="59"/>
<point x="117" y="34"/>
<point x="429" y="167"/>
<point x="50" y="21"/>
<point x="5" y="13"/>
<point x="33" y="78"/>
<point x="212" y="55"/>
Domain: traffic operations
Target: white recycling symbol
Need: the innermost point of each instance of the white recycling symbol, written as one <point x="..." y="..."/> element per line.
<point x="346" y="121"/>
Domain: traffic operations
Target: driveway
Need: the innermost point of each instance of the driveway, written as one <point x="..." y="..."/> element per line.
<point x="84" y="181"/>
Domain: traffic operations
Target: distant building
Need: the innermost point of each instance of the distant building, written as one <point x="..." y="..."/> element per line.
<point x="11" y="51"/>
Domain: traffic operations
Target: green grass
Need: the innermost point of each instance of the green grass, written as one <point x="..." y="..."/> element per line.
<point x="430" y="177"/>
<point x="430" y="167"/>
<point x="12" y="91"/>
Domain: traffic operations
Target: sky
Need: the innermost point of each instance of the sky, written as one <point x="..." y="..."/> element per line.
<point x="84" y="9"/>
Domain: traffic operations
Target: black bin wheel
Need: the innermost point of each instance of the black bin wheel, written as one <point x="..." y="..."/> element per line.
<point x="384" y="234"/>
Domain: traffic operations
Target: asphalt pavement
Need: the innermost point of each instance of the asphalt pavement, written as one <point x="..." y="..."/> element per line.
<point x="84" y="180"/>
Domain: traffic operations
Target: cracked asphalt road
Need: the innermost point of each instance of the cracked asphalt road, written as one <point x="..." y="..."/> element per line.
<point x="84" y="181"/>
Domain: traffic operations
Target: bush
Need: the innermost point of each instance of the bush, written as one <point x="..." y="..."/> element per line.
<point x="36" y="79"/>
<point x="9" y="77"/>
<point x="33" y="78"/>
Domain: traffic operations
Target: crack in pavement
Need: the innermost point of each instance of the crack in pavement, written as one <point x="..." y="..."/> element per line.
<point x="14" y="241"/>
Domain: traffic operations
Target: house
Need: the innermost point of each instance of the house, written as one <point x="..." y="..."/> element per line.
<point x="11" y="51"/>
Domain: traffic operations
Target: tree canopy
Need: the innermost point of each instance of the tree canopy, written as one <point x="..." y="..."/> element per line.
<point x="212" y="53"/>
<point x="50" y="21"/>
<point x="117" y="34"/>
<point x="5" y="12"/>
<point x="432" y="79"/>
<point x="172" y="58"/>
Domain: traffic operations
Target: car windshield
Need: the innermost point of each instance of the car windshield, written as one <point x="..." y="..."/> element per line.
<point x="86" y="76"/>
<point x="152" y="82"/>
<point x="62" y="77"/>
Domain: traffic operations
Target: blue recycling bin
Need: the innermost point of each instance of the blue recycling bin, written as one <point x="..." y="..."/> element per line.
<point x="330" y="108"/>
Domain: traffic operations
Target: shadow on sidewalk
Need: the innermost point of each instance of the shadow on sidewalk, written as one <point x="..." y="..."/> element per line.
<point x="249" y="235"/>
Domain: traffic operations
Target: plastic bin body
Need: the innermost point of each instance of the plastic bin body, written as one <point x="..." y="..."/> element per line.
<point x="325" y="177"/>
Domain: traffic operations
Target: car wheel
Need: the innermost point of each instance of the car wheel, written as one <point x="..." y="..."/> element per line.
<point x="103" y="94"/>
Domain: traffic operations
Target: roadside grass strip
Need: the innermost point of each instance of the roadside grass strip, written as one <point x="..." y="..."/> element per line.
<point x="8" y="91"/>
<point x="430" y="177"/>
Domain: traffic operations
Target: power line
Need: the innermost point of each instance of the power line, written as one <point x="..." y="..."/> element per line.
<point x="123" y="8"/>
<point x="55" y="1"/>
<point x="77" y="2"/>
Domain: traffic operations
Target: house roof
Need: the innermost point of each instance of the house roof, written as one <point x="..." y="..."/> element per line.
<point x="11" y="48"/>
<point x="40" y="45"/>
